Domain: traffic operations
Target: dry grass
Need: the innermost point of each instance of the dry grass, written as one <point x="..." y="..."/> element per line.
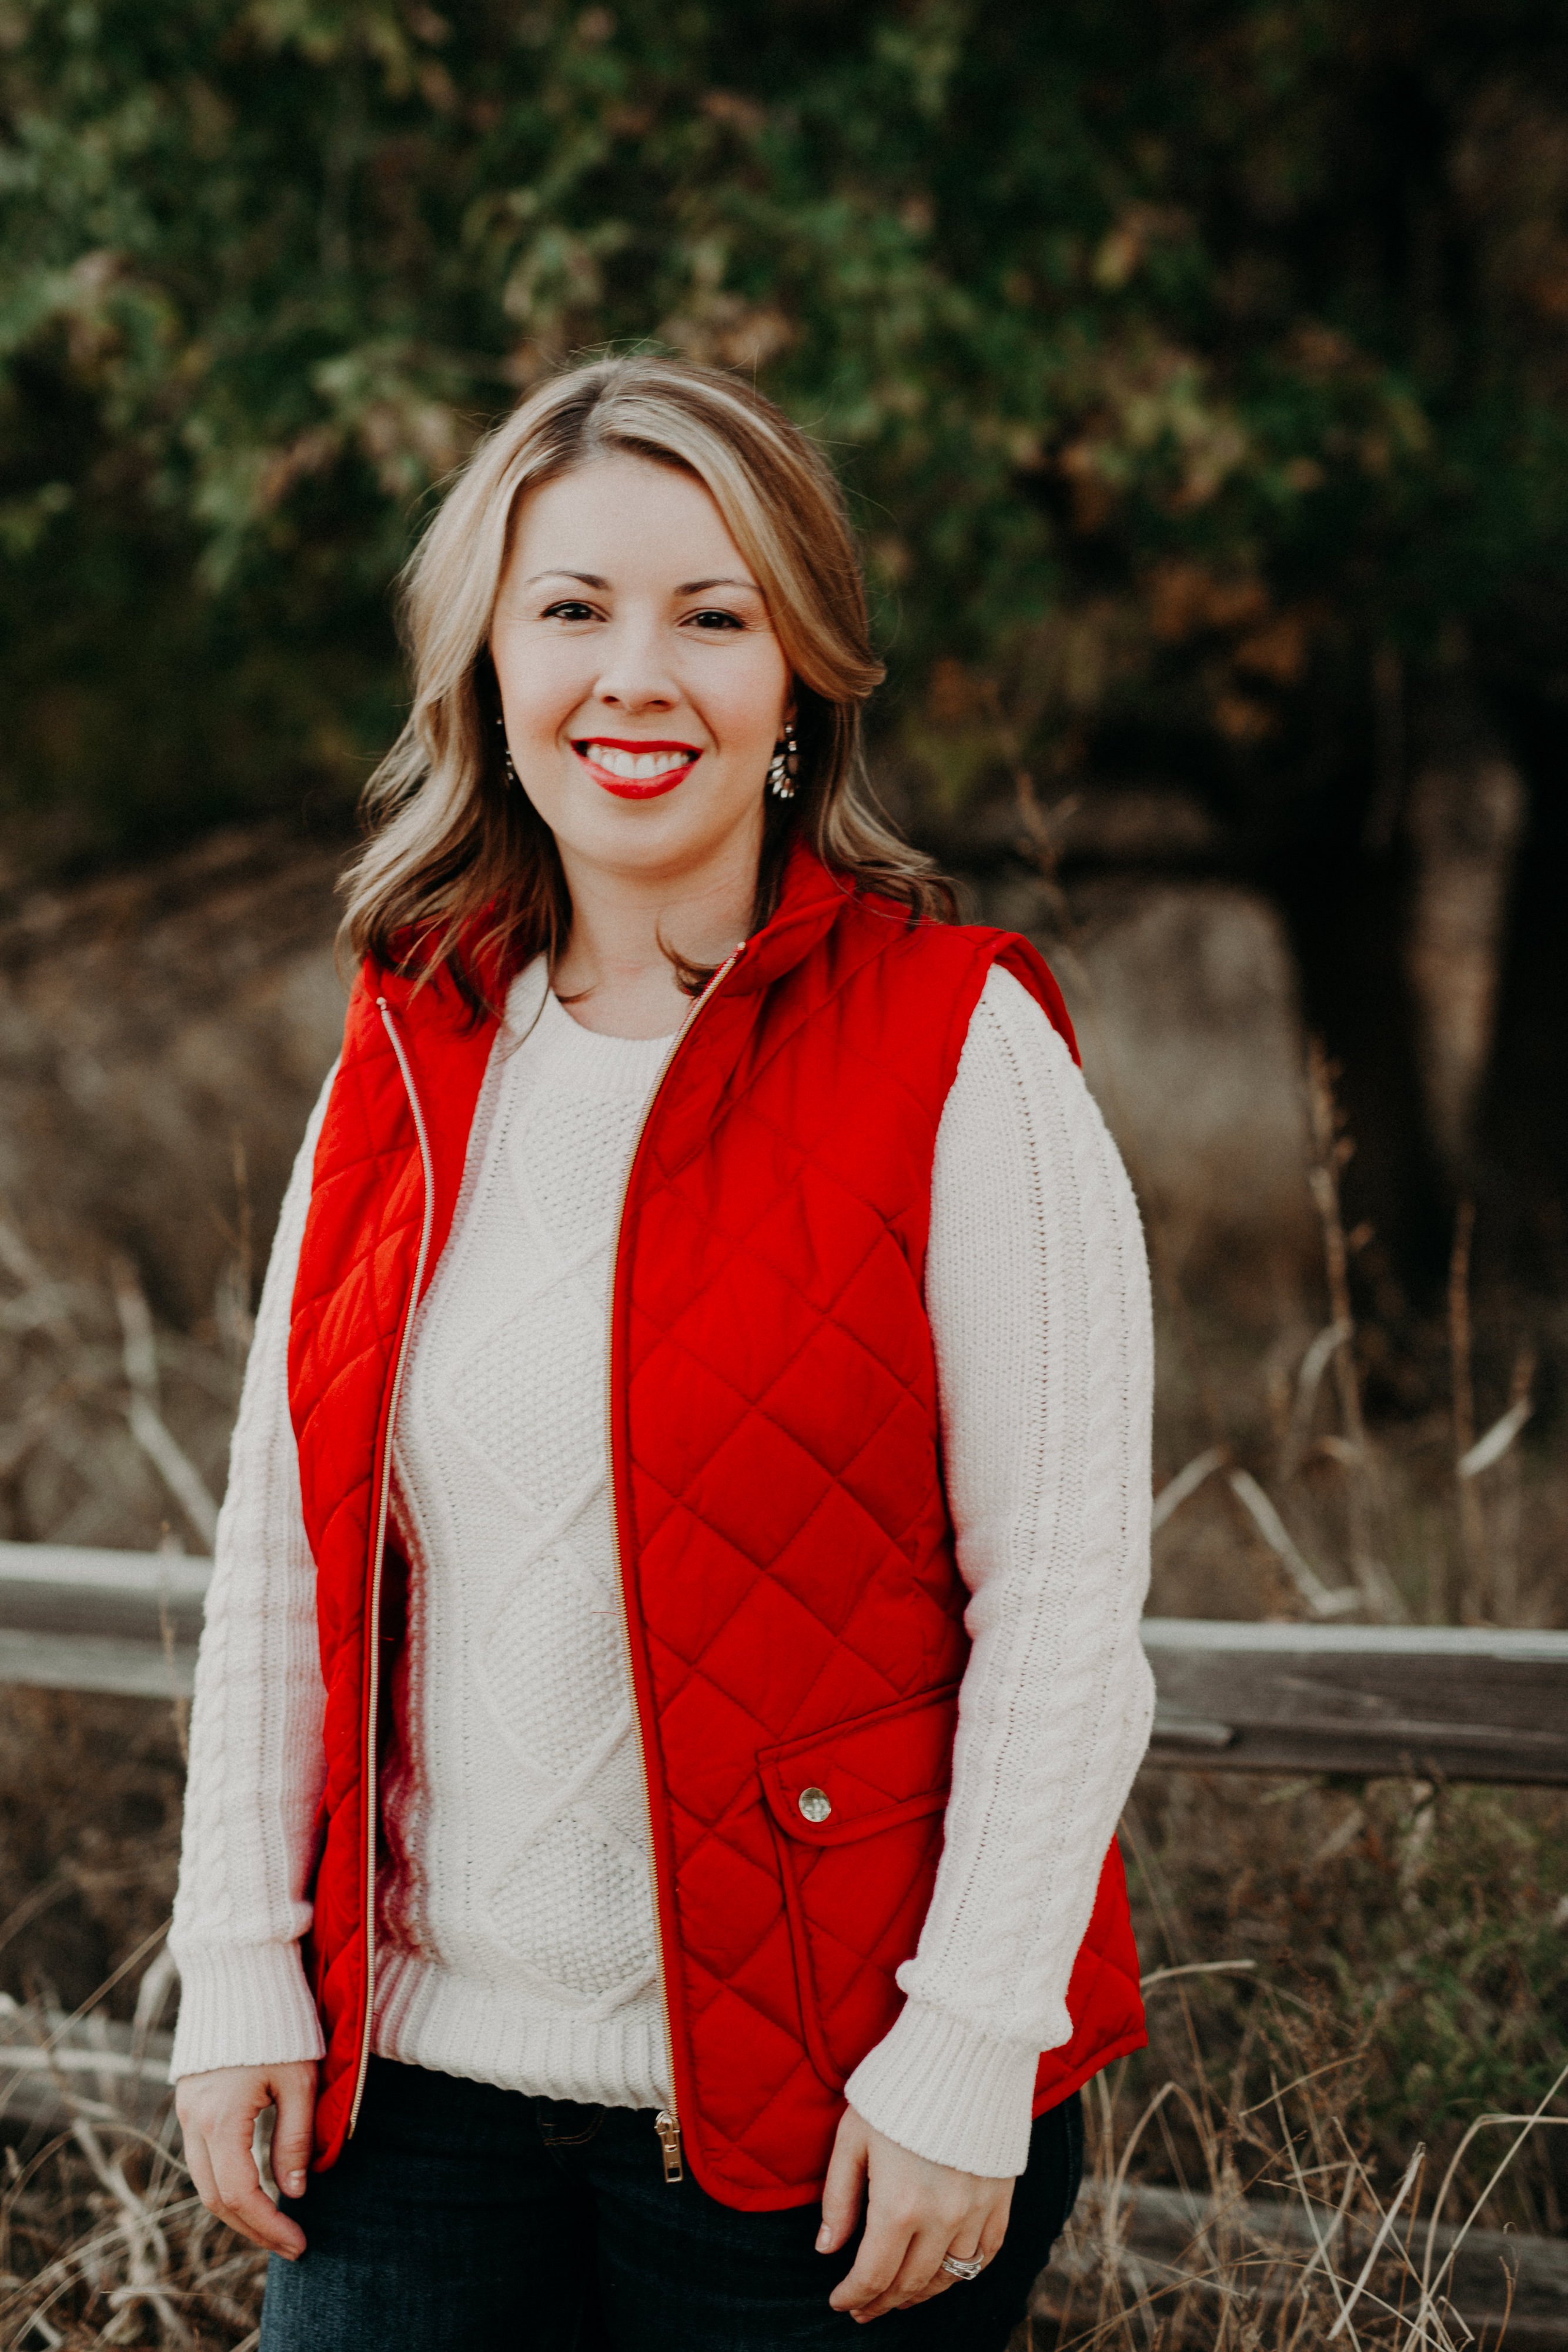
<point x="103" y="2240"/>
<point x="1283" y="2226"/>
<point x="1280" y="2235"/>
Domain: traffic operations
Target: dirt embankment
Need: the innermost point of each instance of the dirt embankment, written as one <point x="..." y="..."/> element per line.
<point x="163" y="1035"/>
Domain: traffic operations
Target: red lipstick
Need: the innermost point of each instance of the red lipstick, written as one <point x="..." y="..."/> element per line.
<point x="637" y="788"/>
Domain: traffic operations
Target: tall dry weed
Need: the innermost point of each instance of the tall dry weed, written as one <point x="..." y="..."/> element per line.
<point x="1278" y="2233"/>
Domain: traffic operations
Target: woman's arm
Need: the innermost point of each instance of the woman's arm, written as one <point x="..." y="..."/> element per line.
<point x="1037" y="1286"/>
<point x="256" y="1765"/>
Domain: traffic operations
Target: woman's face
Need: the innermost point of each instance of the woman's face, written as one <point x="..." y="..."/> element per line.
<point x="643" y="687"/>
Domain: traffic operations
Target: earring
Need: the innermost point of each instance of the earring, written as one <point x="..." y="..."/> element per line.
<point x="785" y="764"/>
<point x="506" y="753"/>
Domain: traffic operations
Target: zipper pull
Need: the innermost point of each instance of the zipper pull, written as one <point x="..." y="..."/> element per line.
<point x="669" y="2133"/>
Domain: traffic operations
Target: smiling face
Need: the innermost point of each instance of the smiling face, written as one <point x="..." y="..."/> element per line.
<point x="642" y="684"/>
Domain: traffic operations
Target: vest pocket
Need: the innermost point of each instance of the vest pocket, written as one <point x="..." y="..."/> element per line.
<point x="856" y="1814"/>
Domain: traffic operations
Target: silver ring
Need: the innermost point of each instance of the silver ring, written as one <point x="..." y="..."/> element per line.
<point x="956" y="2267"/>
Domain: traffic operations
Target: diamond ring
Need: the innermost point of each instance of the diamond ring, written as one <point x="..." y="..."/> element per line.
<point x="958" y="2269"/>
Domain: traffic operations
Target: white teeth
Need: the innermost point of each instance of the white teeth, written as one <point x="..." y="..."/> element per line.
<point x="637" y="767"/>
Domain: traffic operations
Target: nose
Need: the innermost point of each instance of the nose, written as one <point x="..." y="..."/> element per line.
<point x="634" y="675"/>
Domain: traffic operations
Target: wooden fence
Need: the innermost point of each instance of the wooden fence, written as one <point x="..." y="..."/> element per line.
<point x="1454" y="1703"/>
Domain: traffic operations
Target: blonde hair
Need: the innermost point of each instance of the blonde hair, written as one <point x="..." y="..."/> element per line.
<point x="459" y="867"/>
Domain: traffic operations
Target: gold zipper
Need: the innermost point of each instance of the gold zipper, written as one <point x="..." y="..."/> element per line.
<point x="368" y="1797"/>
<point x="669" y="2133"/>
<point x="666" y="2123"/>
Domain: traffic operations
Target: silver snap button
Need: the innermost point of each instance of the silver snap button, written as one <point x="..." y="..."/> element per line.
<point x="815" y="1804"/>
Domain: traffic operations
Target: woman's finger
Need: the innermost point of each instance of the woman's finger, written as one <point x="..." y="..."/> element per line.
<point x="295" y="2093"/>
<point x="845" y="2184"/>
<point x="876" y="2265"/>
<point x="964" y="2244"/>
<point x="199" y="2164"/>
<point x="913" y="2281"/>
<point x="241" y="2201"/>
<point x="979" y="2236"/>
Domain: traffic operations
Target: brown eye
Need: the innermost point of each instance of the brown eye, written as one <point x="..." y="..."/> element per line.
<point x="569" y="609"/>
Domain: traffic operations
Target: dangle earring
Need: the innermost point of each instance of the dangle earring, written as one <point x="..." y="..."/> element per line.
<point x="785" y="764"/>
<point x="507" y="754"/>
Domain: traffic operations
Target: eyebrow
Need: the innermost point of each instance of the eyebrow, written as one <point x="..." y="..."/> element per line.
<point x="695" y="587"/>
<point x="686" y="588"/>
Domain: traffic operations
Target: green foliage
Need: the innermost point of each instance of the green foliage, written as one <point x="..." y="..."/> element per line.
<point x="1180" y="356"/>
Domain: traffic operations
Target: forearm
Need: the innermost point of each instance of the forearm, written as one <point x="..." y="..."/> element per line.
<point x="255" y="1765"/>
<point x="1037" y="1288"/>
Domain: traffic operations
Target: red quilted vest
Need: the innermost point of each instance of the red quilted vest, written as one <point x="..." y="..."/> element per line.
<point x="793" y="1611"/>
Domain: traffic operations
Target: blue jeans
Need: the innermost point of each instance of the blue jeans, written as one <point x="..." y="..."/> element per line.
<point x="461" y="2218"/>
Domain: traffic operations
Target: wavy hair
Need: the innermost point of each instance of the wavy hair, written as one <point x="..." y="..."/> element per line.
<point x="459" y="869"/>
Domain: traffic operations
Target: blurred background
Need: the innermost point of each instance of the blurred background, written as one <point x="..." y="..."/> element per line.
<point x="1200" y="376"/>
<point x="1198" y="371"/>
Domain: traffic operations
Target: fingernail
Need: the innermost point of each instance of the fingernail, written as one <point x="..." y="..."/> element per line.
<point x="293" y="2183"/>
<point x="824" y="2238"/>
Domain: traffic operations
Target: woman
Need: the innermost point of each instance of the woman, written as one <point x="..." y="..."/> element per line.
<point x="672" y="1669"/>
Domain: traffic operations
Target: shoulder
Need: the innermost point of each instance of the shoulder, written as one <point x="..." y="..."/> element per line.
<point x="1010" y="1015"/>
<point x="919" y="981"/>
<point x="958" y="956"/>
<point x="1011" y="979"/>
<point x="1013" y="1050"/>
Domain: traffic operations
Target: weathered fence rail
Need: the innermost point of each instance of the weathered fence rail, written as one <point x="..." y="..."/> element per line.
<point x="1457" y="1703"/>
<point x="71" y="1619"/>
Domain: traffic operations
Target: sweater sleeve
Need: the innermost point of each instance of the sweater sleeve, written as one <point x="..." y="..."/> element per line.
<point x="1037" y="1288"/>
<point x="257" y="1759"/>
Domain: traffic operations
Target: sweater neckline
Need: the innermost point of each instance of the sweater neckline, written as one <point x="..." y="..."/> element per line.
<point x="553" y="1023"/>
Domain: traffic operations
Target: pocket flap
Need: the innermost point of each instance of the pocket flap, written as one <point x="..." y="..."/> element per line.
<point x="856" y="1778"/>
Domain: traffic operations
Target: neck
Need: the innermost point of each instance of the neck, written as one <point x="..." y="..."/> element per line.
<point x="616" y="970"/>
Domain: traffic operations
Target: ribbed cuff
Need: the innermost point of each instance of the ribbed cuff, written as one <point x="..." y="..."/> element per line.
<point x="245" y="2005"/>
<point x="944" y="2092"/>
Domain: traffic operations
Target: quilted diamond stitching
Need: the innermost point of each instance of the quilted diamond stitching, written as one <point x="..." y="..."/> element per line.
<point x="726" y="1978"/>
<point x="782" y="1097"/>
<point x="667" y="1342"/>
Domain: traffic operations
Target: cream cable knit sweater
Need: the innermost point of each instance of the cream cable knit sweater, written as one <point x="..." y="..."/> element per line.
<point x="515" y="1938"/>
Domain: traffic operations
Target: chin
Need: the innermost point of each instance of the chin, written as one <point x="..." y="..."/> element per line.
<point x="662" y="835"/>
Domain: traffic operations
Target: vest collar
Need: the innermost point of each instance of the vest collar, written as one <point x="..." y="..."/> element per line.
<point x="810" y="899"/>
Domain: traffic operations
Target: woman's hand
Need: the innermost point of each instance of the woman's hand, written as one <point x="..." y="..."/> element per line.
<point x="917" y="2212"/>
<point x="217" y="2113"/>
